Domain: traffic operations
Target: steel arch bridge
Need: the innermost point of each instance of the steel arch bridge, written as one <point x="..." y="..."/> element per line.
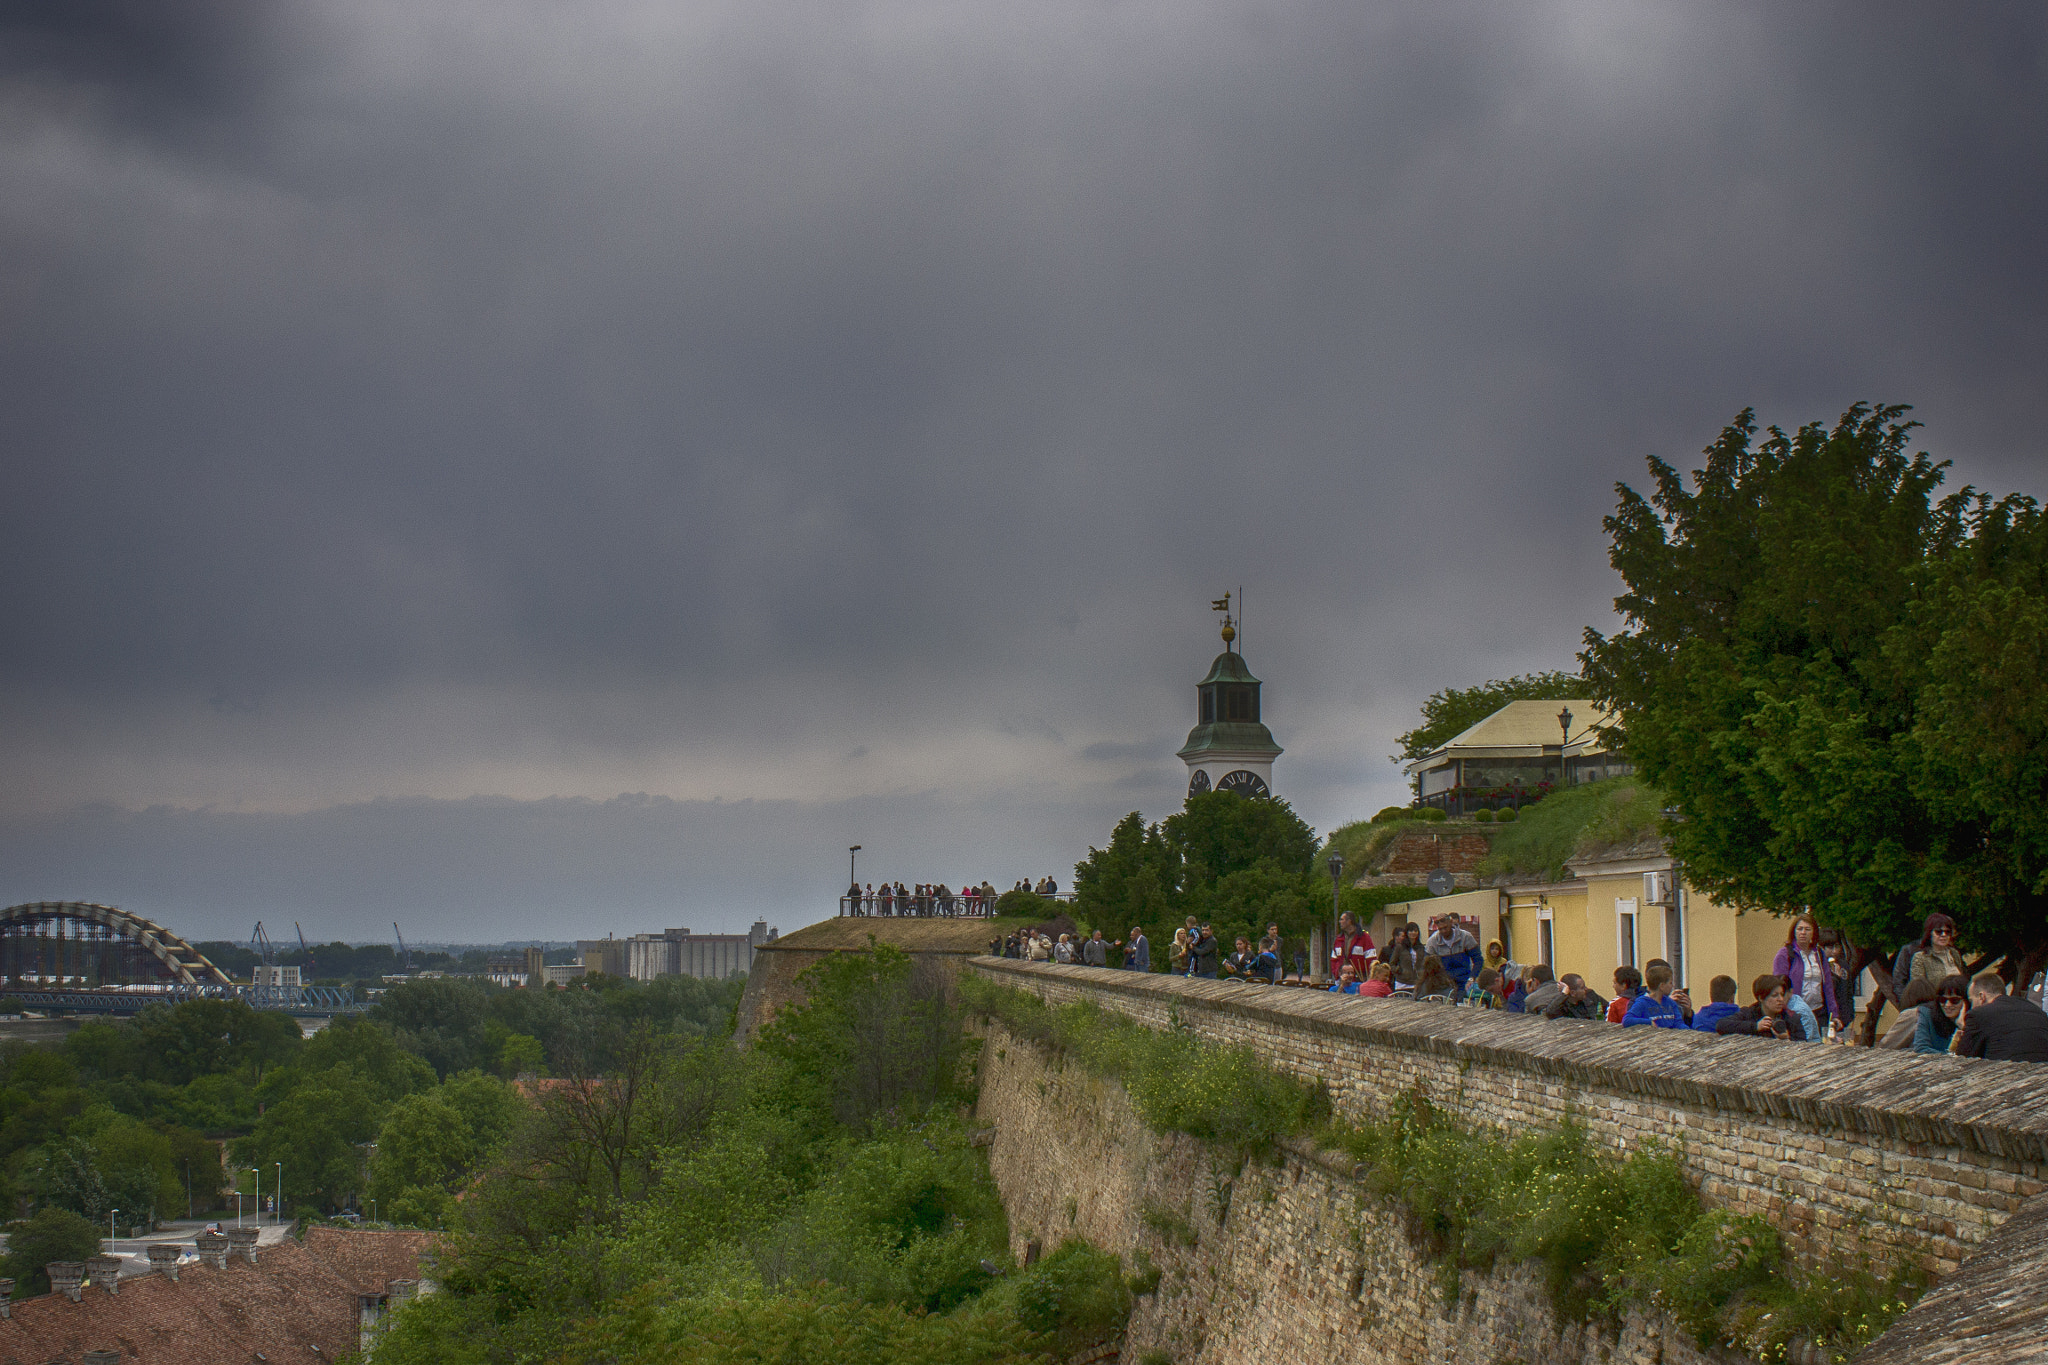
<point x="72" y="945"/>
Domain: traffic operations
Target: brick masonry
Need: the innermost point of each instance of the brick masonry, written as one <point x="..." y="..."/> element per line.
<point x="1854" y="1155"/>
<point x="1296" y="1267"/>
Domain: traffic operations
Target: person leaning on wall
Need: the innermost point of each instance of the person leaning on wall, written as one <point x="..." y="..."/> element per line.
<point x="2000" y="1027"/>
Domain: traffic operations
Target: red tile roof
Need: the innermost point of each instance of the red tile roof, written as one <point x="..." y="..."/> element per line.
<point x="296" y="1298"/>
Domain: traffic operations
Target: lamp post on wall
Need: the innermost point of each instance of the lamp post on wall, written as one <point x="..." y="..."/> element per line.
<point x="1564" y="723"/>
<point x="1336" y="899"/>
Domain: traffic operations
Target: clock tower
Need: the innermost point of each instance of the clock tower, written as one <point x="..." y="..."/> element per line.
<point x="1229" y="749"/>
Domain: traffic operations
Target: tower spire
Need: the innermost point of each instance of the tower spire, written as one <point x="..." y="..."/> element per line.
<point x="1222" y="604"/>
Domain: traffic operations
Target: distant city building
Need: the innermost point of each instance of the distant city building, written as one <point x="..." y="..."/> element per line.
<point x="514" y="969"/>
<point x="562" y="973"/>
<point x="607" y="955"/>
<point x="1230" y="749"/>
<point x="277" y="978"/>
<point x="709" y="957"/>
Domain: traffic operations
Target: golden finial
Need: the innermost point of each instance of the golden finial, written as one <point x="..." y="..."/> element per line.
<point x="1222" y="604"/>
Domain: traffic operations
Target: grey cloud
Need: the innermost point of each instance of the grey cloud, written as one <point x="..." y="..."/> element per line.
<point x="761" y="381"/>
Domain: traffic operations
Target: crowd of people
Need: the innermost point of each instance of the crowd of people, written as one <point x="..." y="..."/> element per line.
<point x="1807" y="995"/>
<point x="928" y="899"/>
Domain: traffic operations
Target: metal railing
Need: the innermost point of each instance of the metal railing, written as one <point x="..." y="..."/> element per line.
<point x="954" y="906"/>
<point x="306" y="1000"/>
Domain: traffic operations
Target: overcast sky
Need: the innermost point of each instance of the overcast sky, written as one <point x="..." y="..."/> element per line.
<point x="537" y="469"/>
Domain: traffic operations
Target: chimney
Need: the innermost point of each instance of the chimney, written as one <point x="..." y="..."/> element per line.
<point x="6" y="1295"/>
<point x="401" y="1290"/>
<point x="429" y="1264"/>
<point x="242" y="1241"/>
<point x="66" y="1278"/>
<point x="163" y="1259"/>
<point x="105" y="1271"/>
<point x="213" y="1249"/>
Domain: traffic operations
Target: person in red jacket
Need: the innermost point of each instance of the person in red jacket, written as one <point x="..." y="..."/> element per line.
<point x="1352" y="945"/>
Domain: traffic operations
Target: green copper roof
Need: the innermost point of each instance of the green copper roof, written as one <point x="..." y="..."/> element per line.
<point x="1229" y="667"/>
<point x="1230" y="736"/>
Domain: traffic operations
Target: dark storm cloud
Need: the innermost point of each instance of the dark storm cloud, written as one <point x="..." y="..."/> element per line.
<point x="437" y="399"/>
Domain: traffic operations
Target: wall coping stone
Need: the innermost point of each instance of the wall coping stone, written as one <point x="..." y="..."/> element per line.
<point x="1992" y="1311"/>
<point x="1996" y="1108"/>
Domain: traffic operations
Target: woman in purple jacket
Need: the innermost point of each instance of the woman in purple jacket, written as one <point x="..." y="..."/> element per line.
<point x="1801" y="963"/>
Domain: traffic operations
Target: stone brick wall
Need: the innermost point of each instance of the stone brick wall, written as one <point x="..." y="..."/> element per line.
<point x="1417" y="852"/>
<point x="1295" y="1267"/>
<point x="1850" y="1153"/>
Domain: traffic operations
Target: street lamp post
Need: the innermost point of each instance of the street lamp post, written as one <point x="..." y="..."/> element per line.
<point x="277" y="1192"/>
<point x="1336" y="900"/>
<point x="853" y="876"/>
<point x="257" y="1171"/>
<point x="1564" y="723"/>
<point x="110" y="1230"/>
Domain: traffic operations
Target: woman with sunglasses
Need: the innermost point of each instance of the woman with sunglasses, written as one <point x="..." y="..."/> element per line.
<point x="1937" y="957"/>
<point x="1939" y="1020"/>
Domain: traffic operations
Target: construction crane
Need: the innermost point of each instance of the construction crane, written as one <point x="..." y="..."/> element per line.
<point x="403" y="951"/>
<point x="260" y="944"/>
<point x="304" y="951"/>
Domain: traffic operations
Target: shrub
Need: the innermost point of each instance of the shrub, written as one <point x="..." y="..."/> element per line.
<point x="1027" y="904"/>
<point x="1390" y="813"/>
<point x="1077" y="1295"/>
<point x="1484" y="817"/>
<point x="1428" y="813"/>
<point x="1508" y="816"/>
<point x="54" y="1234"/>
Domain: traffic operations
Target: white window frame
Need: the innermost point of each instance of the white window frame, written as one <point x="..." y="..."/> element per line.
<point x="1546" y="935"/>
<point x="1628" y="938"/>
<point x="1675" y="953"/>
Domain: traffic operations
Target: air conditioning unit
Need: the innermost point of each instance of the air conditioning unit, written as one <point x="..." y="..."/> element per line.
<point x="1660" y="888"/>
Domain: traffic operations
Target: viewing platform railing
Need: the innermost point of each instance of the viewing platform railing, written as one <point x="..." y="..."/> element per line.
<point x="938" y="906"/>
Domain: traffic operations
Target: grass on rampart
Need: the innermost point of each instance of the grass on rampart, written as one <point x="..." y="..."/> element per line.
<point x="1612" y="811"/>
<point x="1608" y="1233"/>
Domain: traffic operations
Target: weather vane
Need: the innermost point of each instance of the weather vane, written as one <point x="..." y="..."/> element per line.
<point x="1222" y="604"/>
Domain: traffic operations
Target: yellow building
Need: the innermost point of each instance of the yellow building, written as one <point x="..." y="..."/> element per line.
<point x="1622" y="907"/>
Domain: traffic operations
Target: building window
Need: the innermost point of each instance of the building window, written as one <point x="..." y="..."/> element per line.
<point x="1625" y="932"/>
<point x="1546" y="938"/>
<point x="1208" y="706"/>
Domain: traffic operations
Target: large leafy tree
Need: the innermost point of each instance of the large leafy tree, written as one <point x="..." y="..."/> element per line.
<point x="1241" y="862"/>
<point x="1835" y="675"/>
<point x="1455" y="710"/>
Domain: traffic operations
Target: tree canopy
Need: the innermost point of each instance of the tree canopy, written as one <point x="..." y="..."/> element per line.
<point x="1239" y="862"/>
<point x="1837" y="678"/>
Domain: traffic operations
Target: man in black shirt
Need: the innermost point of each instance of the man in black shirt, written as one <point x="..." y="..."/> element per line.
<point x="1579" y="1001"/>
<point x="2001" y="1027"/>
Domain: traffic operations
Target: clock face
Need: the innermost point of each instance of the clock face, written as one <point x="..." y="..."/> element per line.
<point x="1199" y="783"/>
<point x="1243" y="783"/>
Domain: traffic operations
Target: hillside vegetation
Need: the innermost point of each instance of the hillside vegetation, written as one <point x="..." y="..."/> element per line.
<point x="1612" y="812"/>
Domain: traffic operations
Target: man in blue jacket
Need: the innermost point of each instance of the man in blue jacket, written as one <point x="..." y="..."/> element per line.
<point x="1721" y="990"/>
<point x="1456" y="949"/>
<point x="1138" y="951"/>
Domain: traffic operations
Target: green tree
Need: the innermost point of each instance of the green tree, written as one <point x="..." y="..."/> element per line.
<point x="1818" y="672"/>
<point x="424" y="1149"/>
<point x="1217" y="833"/>
<point x="1129" y="882"/>
<point x="1455" y="710"/>
<point x="317" y="1132"/>
<point x="53" y="1234"/>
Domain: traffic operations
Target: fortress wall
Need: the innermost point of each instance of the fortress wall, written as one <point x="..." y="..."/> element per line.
<point x="1850" y="1153"/>
<point x="1296" y="1267"/>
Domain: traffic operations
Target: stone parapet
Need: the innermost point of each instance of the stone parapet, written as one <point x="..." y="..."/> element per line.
<point x="1850" y="1153"/>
